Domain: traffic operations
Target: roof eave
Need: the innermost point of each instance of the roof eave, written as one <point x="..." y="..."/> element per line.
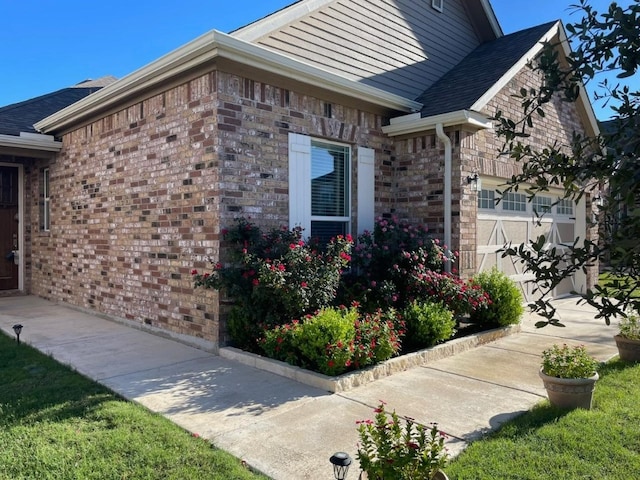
<point x="409" y="124"/>
<point x="31" y="141"/>
<point x="205" y="48"/>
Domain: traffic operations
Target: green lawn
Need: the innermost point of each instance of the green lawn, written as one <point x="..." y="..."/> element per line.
<point x="547" y="443"/>
<point x="57" y="424"/>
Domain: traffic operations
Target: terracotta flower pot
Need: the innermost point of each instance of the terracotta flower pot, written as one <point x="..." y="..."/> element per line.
<point x="628" y="349"/>
<point x="570" y="392"/>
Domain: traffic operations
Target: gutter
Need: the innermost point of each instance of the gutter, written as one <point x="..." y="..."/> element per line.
<point x="31" y="141"/>
<point x="414" y="123"/>
<point x="447" y="191"/>
<point x="206" y="48"/>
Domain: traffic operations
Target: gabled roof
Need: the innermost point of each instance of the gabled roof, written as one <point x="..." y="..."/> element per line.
<point x="21" y="116"/>
<point x="478" y="72"/>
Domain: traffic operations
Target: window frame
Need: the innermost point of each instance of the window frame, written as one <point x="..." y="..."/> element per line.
<point x="346" y="181"/>
<point x="46" y="199"/>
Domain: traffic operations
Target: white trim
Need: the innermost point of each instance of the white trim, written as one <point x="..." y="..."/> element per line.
<point x="204" y="49"/>
<point x="366" y="189"/>
<point x="413" y="123"/>
<point x="447" y="190"/>
<point x="300" y="182"/>
<point x="437" y="5"/>
<point x="491" y="16"/>
<point x="32" y="141"/>
<point x="556" y="30"/>
<point x="277" y="20"/>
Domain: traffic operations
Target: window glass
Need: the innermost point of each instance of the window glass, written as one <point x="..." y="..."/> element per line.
<point x="514" y="202"/>
<point x="329" y="189"/>
<point x="487" y="199"/>
<point x="542" y="204"/>
<point x="565" y="207"/>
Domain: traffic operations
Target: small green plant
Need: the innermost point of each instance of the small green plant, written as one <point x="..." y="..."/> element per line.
<point x="630" y="326"/>
<point x="568" y="362"/>
<point x="505" y="307"/>
<point x="427" y="324"/>
<point x="391" y="448"/>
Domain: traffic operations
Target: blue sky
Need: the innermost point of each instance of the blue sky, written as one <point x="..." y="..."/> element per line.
<point x="51" y="45"/>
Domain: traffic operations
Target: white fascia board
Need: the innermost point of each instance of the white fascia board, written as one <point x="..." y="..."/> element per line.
<point x="556" y="30"/>
<point x="205" y="48"/>
<point x="408" y="124"/>
<point x="31" y="141"/>
<point x="277" y="20"/>
<point x="491" y="16"/>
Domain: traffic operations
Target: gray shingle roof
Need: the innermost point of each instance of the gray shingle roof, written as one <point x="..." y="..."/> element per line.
<point x="20" y="117"/>
<point x="465" y="83"/>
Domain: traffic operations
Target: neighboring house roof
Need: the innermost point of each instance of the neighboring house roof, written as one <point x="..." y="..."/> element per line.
<point x="21" y="116"/>
<point x="478" y="72"/>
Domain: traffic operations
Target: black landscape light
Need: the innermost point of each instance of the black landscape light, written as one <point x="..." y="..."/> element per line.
<point x="340" y="462"/>
<point x="18" y="329"/>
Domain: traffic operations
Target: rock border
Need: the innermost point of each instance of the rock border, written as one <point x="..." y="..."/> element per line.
<point x="350" y="380"/>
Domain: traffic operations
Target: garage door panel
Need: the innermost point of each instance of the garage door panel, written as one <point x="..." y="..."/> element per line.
<point x="486" y="232"/>
<point x="516" y="231"/>
<point x="566" y="232"/>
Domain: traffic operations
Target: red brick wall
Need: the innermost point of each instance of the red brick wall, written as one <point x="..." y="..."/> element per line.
<point x="140" y="196"/>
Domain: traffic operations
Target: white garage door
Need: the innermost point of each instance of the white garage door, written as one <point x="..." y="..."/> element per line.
<point x="513" y="220"/>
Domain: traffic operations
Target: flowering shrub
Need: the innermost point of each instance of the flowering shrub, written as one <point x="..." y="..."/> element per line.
<point x="390" y="449"/>
<point x="275" y="277"/>
<point x="460" y="296"/>
<point x="387" y="261"/>
<point x="568" y="362"/>
<point x="335" y="340"/>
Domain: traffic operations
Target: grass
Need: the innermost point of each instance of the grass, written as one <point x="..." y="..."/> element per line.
<point x="57" y="424"/>
<point x="602" y="443"/>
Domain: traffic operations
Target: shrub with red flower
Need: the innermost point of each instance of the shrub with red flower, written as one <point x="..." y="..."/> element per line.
<point x="335" y="340"/>
<point x="274" y="277"/>
<point x="399" y="449"/>
<point x="386" y="262"/>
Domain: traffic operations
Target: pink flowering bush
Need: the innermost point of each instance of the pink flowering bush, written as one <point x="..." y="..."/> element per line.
<point x="399" y="449"/>
<point x="274" y="277"/>
<point x="388" y="262"/>
<point x="460" y="296"/>
<point x="335" y="340"/>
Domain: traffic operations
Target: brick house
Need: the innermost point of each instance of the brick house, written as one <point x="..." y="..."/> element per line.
<point x="325" y="114"/>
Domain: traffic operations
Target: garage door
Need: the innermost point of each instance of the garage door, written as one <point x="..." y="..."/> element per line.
<point x="514" y="220"/>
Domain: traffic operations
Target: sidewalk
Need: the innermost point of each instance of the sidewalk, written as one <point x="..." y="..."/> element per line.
<point x="283" y="428"/>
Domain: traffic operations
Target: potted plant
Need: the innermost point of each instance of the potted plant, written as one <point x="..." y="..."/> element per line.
<point x="628" y="338"/>
<point x="569" y="376"/>
<point x="394" y="449"/>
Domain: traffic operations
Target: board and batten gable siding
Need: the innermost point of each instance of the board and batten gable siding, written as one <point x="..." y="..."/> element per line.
<point x="400" y="46"/>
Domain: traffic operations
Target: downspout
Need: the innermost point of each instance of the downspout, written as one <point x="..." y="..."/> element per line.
<point x="447" y="190"/>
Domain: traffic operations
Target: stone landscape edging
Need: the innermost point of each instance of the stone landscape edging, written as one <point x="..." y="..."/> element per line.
<point x="350" y="380"/>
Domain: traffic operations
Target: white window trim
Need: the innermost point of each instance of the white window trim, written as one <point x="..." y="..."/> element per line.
<point x="300" y="186"/>
<point x="438" y="5"/>
<point x="46" y="194"/>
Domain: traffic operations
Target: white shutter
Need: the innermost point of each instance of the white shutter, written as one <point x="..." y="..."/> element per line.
<point x="366" y="189"/>
<point x="300" y="182"/>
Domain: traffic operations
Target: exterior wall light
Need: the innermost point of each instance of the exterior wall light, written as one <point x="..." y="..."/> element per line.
<point x="340" y="462"/>
<point x="17" y="328"/>
<point x="475" y="181"/>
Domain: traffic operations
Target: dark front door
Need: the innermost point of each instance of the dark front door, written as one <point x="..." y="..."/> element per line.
<point x="8" y="227"/>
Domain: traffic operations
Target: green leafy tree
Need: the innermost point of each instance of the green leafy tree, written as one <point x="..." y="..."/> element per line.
<point x="605" y="44"/>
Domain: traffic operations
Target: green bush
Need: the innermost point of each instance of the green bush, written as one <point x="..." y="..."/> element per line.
<point x="335" y="340"/>
<point x="323" y="339"/>
<point x="506" y="300"/>
<point x="427" y="324"/>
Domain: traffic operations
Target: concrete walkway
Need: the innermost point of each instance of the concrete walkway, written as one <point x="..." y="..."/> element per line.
<point x="285" y="429"/>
